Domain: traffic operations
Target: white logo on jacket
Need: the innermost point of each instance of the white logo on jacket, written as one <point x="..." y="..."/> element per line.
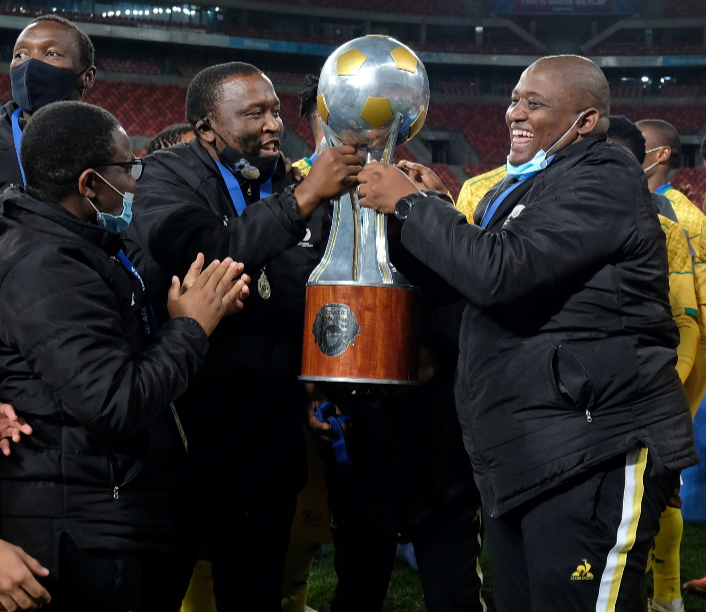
<point x="514" y="214"/>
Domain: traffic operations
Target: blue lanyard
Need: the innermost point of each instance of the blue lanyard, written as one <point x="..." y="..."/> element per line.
<point x="151" y="326"/>
<point x="236" y="193"/>
<point x="17" y="136"/>
<point x="662" y="189"/>
<point x="489" y="212"/>
<point x="326" y="413"/>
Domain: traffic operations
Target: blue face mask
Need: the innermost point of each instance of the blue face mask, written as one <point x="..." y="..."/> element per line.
<point x="117" y="224"/>
<point x="539" y="161"/>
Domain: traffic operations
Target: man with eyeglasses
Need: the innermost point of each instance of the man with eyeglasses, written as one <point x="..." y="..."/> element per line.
<point x="52" y="61"/>
<point x="84" y="361"/>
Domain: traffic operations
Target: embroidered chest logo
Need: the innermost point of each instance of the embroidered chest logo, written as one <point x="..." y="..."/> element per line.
<point x="583" y="572"/>
<point x="514" y="214"/>
<point x="305" y="242"/>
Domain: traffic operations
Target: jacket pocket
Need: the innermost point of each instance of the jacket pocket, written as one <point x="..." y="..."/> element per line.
<point x="592" y="375"/>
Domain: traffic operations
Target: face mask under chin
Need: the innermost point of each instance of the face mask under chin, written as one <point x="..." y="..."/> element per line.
<point x="247" y="167"/>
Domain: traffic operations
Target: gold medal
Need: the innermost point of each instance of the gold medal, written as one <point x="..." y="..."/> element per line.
<point x="263" y="287"/>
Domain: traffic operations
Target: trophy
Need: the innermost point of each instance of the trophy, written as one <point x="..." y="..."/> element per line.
<point x="362" y="315"/>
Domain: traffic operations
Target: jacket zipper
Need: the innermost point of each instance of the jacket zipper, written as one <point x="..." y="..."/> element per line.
<point x="116" y="489"/>
<point x="589" y="418"/>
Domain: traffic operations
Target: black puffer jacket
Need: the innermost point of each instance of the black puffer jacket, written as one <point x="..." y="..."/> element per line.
<point x="182" y="207"/>
<point x="567" y="341"/>
<point x="76" y="363"/>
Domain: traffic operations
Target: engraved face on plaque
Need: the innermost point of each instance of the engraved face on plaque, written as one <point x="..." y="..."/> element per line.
<point x="335" y="329"/>
<point x="374" y="94"/>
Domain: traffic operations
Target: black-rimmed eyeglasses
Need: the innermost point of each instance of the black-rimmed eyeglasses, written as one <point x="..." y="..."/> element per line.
<point x="136" y="167"/>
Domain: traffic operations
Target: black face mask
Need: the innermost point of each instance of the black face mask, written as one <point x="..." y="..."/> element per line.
<point x="36" y="84"/>
<point x="247" y="167"/>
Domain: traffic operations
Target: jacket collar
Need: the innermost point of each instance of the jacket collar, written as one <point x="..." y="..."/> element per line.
<point x="17" y="202"/>
<point x="580" y="147"/>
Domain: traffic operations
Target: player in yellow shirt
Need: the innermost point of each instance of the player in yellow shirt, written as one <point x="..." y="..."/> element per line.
<point x="696" y="383"/>
<point x="663" y="154"/>
<point x="474" y="190"/>
<point x="664" y="559"/>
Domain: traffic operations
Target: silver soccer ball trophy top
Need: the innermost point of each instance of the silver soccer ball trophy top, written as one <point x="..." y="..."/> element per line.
<point x="373" y="94"/>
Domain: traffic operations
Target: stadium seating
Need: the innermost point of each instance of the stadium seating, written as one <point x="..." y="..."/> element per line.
<point x="122" y="20"/>
<point x="454" y="88"/>
<point x="129" y="66"/>
<point x="417" y="7"/>
<point x="695" y="179"/>
<point x="685" y="8"/>
<point x="448" y="177"/>
<point x="637" y="49"/>
<point x="627" y="91"/>
<point x="675" y="90"/>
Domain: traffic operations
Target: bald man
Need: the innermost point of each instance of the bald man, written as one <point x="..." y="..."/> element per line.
<point x="572" y="411"/>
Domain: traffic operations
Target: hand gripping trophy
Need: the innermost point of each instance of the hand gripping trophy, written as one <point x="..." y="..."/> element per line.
<point x="361" y="314"/>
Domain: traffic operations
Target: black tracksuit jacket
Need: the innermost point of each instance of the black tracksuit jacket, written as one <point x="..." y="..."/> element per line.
<point x="77" y="363"/>
<point x="567" y="340"/>
<point x="248" y="390"/>
<point x="9" y="166"/>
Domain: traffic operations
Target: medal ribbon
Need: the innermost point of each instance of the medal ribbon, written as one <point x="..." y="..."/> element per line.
<point x="236" y="193"/>
<point x="151" y="327"/>
<point x="326" y="413"/>
<point x="17" y="137"/>
<point x="238" y="199"/>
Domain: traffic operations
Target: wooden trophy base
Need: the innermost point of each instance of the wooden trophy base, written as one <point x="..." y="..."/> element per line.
<point x="361" y="334"/>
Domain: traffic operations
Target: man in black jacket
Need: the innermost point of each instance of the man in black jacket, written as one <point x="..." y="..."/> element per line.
<point x="82" y="361"/>
<point x="52" y="61"/>
<point x="572" y="411"/>
<point x="240" y="482"/>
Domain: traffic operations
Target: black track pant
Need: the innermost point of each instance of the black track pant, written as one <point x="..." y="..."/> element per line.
<point x="583" y="546"/>
<point x="446" y="544"/>
<point x="107" y="581"/>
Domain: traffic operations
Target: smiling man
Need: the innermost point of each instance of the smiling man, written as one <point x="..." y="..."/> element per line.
<point x="227" y="192"/>
<point x="52" y="61"/>
<point x="573" y="413"/>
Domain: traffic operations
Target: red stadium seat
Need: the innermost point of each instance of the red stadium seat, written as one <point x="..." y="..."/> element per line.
<point x="695" y="178"/>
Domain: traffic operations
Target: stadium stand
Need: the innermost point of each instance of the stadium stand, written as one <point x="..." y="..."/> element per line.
<point x="129" y="66"/>
<point x="454" y="88"/>
<point x="418" y="7"/>
<point x="638" y="49"/>
<point x="627" y="91"/>
<point x="122" y="20"/>
<point x="453" y="184"/>
<point x="685" y="9"/>
<point x="675" y="90"/>
<point x="695" y="179"/>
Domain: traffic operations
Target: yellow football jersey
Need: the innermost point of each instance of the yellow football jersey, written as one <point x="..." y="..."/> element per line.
<point x="682" y="295"/>
<point x="688" y="214"/>
<point x="474" y="190"/>
<point x="696" y="383"/>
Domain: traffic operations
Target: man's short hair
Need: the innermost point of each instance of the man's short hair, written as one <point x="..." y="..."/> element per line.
<point x="625" y="133"/>
<point x="667" y="135"/>
<point x="169" y="137"/>
<point x="86" y="52"/>
<point x="204" y="92"/>
<point x="307" y="98"/>
<point x="60" y="141"/>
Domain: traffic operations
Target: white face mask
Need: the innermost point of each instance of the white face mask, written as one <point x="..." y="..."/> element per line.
<point x="652" y="151"/>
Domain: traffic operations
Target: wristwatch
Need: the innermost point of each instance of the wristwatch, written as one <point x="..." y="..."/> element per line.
<point x="405" y="205"/>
